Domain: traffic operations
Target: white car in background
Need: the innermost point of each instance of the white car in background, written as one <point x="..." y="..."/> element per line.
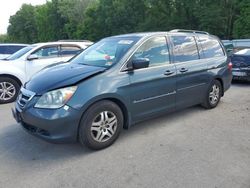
<point x="18" y="68"/>
<point x="6" y="49"/>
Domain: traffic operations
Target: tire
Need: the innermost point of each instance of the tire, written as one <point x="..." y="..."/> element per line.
<point x="213" y="95"/>
<point x="9" y="89"/>
<point x="101" y="125"/>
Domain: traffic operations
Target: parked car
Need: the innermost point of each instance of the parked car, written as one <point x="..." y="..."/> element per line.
<point x="241" y="65"/>
<point x="8" y="49"/>
<point x="138" y="76"/>
<point x="18" y="68"/>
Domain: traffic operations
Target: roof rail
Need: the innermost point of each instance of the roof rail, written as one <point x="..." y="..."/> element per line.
<point x="189" y="31"/>
<point x="69" y="40"/>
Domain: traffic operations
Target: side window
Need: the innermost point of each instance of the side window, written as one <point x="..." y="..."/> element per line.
<point x="211" y="47"/>
<point x="69" y="50"/>
<point x="155" y="49"/>
<point x="185" y="48"/>
<point x="47" y="52"/>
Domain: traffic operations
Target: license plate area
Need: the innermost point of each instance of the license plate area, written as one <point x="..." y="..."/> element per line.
<point x="239" y="73"/>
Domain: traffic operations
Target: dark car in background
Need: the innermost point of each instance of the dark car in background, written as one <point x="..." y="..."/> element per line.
<point x="122" y="80"/>
<point x="241" y="65"/>
<point x="9" y="49"/>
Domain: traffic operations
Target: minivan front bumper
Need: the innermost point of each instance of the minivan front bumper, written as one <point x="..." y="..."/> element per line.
<point x="53" y="125"/>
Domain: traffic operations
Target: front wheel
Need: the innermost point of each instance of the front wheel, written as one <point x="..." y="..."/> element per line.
<point x="9" y="89"/>
<point x="213" y="95"/>
<point x="101" y="125"/>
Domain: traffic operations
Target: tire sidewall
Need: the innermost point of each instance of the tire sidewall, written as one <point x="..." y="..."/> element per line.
<point x="17" y="88"/>
<point x="85" y="136"/>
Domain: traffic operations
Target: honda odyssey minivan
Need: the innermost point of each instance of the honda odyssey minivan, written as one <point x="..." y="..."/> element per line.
<point x="122" y="80"/>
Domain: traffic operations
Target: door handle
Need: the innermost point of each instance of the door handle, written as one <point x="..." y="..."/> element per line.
<point x="183" y="70"/>
<point x="169" y="72"/>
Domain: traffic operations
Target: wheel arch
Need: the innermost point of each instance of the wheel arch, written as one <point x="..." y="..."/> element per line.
<point x="117" y="101"/>
<point x="222" y="84"/>
<point x="12" y="77"/>
<point x="124" y="109"/>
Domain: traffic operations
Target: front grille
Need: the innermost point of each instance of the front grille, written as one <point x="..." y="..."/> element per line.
<point x="24" y="97"/>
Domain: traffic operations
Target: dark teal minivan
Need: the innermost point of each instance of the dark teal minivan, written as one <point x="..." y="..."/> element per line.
<point x="120" y="81"/>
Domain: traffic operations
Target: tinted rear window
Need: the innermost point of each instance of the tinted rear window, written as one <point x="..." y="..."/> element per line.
<point x="211" y="47"/>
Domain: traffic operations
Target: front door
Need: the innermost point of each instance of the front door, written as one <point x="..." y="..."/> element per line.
<point x="153" y="89"/>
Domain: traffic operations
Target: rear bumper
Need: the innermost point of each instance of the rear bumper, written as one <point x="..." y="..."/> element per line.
<point x="56" y="126"/>
<point x="227" y="80"/>
<point x="239" y="74"/>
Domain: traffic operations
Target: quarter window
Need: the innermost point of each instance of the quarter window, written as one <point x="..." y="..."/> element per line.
<point x="211" y="47"/>
<point x="185" y="48"/>
<point x="155" y="49"/>
<point x="46" y="52"/>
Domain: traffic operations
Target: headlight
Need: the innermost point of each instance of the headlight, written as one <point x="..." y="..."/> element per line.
<point x="56" y="99"/>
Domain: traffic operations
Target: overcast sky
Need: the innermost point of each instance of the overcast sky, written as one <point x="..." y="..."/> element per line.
<point x="9" y="7"/>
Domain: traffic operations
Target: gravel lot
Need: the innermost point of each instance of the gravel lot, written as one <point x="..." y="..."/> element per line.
<point x="191" y="148"/>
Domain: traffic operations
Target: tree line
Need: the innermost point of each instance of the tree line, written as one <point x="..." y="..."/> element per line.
<point x="95" y="19"/>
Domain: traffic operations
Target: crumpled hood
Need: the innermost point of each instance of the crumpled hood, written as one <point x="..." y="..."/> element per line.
<point x="60" y="75"/>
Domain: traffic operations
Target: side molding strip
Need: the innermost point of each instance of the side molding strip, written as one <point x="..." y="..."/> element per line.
<point x="191" y="86"/>
<point x="155" y="97"/>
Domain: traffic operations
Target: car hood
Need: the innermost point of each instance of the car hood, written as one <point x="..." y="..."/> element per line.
<point x="61" y="75"/>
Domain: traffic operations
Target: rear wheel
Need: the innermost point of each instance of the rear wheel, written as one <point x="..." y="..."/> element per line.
<point x="9" y="89"/>
<point x="213" y="95"/>
<point x="101" y="125"/>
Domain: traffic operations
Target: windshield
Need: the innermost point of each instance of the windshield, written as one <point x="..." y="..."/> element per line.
<point x="19" y="53"/>
<point x="106" y="52"/>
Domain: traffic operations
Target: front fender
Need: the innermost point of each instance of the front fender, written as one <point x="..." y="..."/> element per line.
<point x="13" y="71"/>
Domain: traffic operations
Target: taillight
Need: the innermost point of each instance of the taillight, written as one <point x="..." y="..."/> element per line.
<point x="230" y="66"/>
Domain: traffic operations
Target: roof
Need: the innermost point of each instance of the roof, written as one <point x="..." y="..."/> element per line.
<point x="140" y="35"/>
<point x="148" y="34"/>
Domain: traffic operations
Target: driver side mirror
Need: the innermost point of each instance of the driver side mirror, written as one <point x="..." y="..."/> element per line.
<point x="32" y="57"/>
<point x="140" y="63"/>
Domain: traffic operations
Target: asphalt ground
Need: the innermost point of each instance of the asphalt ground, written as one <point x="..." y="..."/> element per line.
<point x="190" y="148"/>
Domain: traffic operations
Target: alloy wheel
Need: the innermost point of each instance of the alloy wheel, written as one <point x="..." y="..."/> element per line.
<point x="7" y="91"/>
<point x="214" y="94"/>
